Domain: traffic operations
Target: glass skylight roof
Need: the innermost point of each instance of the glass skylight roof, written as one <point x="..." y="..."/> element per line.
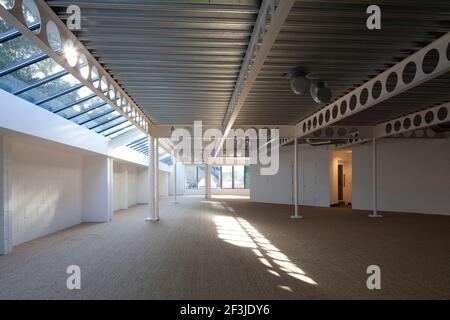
<point x="29" y="73"/>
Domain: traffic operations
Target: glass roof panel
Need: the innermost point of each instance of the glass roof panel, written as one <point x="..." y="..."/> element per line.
<point x="113" y="126"/>
<point x="22" y="78"/>
<point x="32" y="75"/>
<point x="86" y="110"/>
<point x="107" y="116"/>
<point x="16" y="50"/>
<point x="117" y="132"/>
<point x="61" y="102"/>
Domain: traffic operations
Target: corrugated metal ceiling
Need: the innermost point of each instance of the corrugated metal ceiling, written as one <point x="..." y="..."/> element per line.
<point x="330" y="39"/>
<point x="179" y="60"/>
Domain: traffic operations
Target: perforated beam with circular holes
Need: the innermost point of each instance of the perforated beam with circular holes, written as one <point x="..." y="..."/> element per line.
<point x="424" y="65"/>
<point x="55" y="39"/>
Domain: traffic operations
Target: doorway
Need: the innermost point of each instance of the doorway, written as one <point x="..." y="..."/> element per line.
<point x="341" y="178"/>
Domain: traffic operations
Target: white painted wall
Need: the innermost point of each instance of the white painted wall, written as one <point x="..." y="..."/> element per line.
<point x="413" y="176"/>
<point x="130" y="185"/>
<point x="163" y="184"/>
<point x="97" y="201"/>
<point x="44" y="190"/>
<point x="313" y="181"/>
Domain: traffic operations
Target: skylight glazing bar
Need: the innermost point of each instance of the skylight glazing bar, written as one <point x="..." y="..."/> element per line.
<point x="23" y="64"/>
<point x="109" y="128"/>
<point x="92" y="96"/>
<point x="59" y="43"/>
<point x="87" y="110"/>
<point x="13" y="34"/>
<point x="105" y="122"/>
<point x="60" y="94"/>
<point x="42" y="82"/>
<point x="118" y="130"/>
<point x="97" y="117"/>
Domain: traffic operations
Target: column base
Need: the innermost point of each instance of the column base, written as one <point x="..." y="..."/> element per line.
<point x="152" y="219"/>
<point x="376" y="215"/>
<point x="296" y="217"/>
<point x="175" y="202"/>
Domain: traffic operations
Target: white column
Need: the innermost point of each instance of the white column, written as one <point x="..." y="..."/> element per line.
<point x="97" y="189"/>
<point x="295" y="178"/>
<point x="156" y="163"/>
<point x="151" y="215"/>
<point x="5" y="213"/>
<point x="174" y="173"/>
<point x="207" y="181"/>
<point x="374" y="181"/>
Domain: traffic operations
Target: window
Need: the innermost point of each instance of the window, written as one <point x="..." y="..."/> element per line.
<point x="247" y="177"/>
<point x="216" y="177"/>
<point x="201" y="176"/>
<point x="227" y="177"/>
<point x="224" y="177"/>
<point x="238" y="177"/>
<point x="191" y="177"/>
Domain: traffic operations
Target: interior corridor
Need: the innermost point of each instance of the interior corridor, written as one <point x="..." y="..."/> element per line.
<point x="236" y="249"/>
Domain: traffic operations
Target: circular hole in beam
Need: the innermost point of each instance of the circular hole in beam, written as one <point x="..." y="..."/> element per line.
<point x="95" y="77"/>
<point x="104" y="85"/>
<point x="430" y="61"/>
<point x="388" y="128"/>
<point x="343" y="107"/>
<point x="376" y="89"/>
<point x="391" y="81"/>
<point x="353" y="102"/>
<point x="70" y="53"/>
<point x="417" y="120"/>
<point x="118" y="99"/>
<point x="31" y="14"/>
<point x="84" y="66"/>
<point x="315" y="122"/>
<point x="409" y="72"/>
<point x="304" y="125"/>
<point x="397" y="125"/>
<point x="364" y="96"/>
<point x="429" y="117"/>
<point x="53" y="36"/>
<point x="407" y="123"/>
<point x="335" y="111"/>
<point x="112" y="92"/>
<point x="327" y="115"/>
<point x="448" y="51"/>
<point x="442" y="113"/>
<point x="320" y="119"/>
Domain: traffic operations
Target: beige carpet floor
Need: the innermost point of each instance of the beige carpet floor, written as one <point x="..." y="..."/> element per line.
<point x="235" y="249"/>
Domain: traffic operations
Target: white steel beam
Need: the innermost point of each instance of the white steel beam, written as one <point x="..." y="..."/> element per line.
<point x="424" y="65"/>
<point x="414" y="122"/>
<point x="267" y="27"/>
<point x="78" y="62"/>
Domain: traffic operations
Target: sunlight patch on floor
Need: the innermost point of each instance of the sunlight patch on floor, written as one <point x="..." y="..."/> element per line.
<point x="240" y="232"/>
